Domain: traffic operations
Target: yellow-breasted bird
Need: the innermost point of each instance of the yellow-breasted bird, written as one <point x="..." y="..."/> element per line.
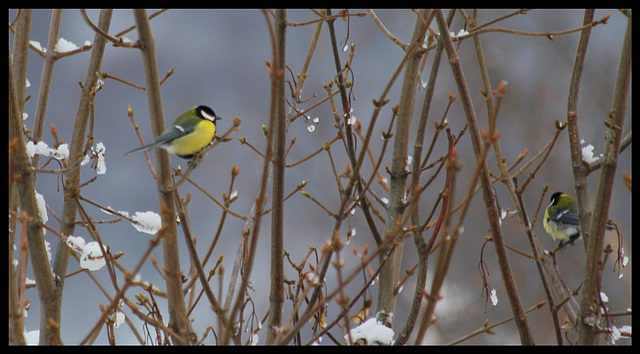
<point x="189" y="134"/>
<point x="561" y="219"/>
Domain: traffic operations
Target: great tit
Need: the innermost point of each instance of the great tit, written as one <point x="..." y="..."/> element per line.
<point x="561" y="219"/>
<point x="189" y="134"/>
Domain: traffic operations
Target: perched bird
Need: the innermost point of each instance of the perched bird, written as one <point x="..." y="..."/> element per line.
<point x="561" y="219"/>
<point x="189" y="134"/>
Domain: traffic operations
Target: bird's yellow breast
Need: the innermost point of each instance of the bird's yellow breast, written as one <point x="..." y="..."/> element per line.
<point x="195" y="141"/>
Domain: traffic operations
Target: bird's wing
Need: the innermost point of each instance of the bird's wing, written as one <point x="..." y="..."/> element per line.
<point x="173" y="133"/>
<point x="569" y="217"/>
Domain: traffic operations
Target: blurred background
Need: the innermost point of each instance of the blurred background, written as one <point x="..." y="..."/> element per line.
<point x="218" y="57"/>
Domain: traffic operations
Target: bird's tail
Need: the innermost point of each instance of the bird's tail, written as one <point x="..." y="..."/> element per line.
<point x="146" y="147"/>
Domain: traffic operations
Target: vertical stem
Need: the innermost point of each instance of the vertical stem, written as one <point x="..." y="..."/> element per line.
<point x="590" y="304"/>
<point x="19" y="59"/>
<point x="421" y="246"/>
<point x="25" y="185"/>
<point x="45" y="80"/>
<point x="178" y="320"/>
<point x="252" y="227"/>
<point x="21" y="54"/>
<point x="487" y="189"/>
<point x="399" y="172"/>
<point x="76" y="149"/>
<point x="579" y="170"/>
<point x="276" y="297"/>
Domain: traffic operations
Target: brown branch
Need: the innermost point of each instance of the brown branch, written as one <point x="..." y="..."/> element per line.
<point x="178" y="320"/>
<point x="395" y="208"/>
<point x="276" y="296"/>
<point x="488" y="193"/>
<point x="549" y="35"/>
<point x="185" y="222"/>
<point x="590" y="304"/>
<point x="422" y="247"/>
<point x="119" y="42"/>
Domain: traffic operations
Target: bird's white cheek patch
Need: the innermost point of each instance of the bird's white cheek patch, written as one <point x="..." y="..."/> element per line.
<point x="209" y="117"/>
